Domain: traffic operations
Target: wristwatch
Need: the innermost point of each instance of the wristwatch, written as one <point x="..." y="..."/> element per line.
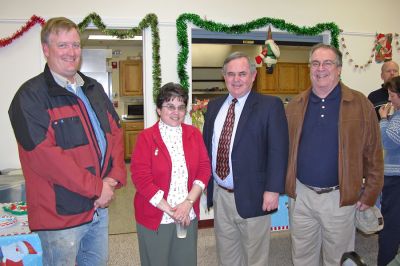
<point x="191" y="201"/>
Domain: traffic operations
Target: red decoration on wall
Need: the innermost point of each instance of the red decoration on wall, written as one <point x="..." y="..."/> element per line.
<point x="29" y="24"/>
<point x="383" y="48"/>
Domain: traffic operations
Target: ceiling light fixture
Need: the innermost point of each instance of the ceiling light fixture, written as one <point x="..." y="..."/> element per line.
<point x="110" y="38"/>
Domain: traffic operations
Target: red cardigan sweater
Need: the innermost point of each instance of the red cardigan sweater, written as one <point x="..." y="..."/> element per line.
<point x="151" y="170"/>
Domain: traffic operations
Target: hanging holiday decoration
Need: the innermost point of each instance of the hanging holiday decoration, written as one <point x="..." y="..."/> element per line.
<point x="28" y="25"/>
<point x="151" y="21"/>
<point x="347" y="55"/>
<point x="181" y="25"/>
<point x="269" y="54"/>
<point x="383" y="48"/>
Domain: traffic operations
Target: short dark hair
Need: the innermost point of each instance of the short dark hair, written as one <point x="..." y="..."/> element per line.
<point x="338" y="53"/>
<point x="393" y="85"/>
<point x="236" y="55"/>
<point x="169" y="92"/>
<point x="55" y="25"/>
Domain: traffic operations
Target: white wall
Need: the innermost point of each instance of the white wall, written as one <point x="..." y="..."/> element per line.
<point x="23" y="59"/>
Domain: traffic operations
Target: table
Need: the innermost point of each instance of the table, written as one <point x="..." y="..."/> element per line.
<point x="17" y="243"/>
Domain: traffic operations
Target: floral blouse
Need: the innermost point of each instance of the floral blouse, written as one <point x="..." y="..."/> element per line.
<point x="178" y="191"/>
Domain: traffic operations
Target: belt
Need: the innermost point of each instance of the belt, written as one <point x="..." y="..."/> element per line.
<point x="226" y="189"/>
<point x="322" y="190"/>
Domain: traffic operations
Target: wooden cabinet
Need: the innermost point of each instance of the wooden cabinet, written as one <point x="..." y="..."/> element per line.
<point x="131" y="130"/>
<point x="287" y="78"/>
<point x="304" y="77"/>
<point x="130" y="78"/>
<point x="267" y="83"/>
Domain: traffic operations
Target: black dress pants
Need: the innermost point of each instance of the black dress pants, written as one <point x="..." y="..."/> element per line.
<point x="389" y="237"/>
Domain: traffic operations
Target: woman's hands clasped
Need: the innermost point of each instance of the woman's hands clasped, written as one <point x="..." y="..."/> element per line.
<point x="181" y="212"/>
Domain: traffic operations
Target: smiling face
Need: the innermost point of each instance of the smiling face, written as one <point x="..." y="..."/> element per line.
<point x="63" y="52"/>
<point x="238" y="78"/>
<point x="324" y="72"/>
<point x="172" y="112"/>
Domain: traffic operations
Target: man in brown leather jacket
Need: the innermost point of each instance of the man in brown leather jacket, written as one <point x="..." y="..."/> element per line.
<point x="334" y="143"/>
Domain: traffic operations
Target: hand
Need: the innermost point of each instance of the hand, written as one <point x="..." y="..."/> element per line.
<point x="111" y="181"/>
<point x="361" y="206"/>
<point x="164" y="206"/>
<point x="271" y="200"/>
<point x="384" y="110"/>
<point x="107" y="194"/>
<point x="181" y="212"/>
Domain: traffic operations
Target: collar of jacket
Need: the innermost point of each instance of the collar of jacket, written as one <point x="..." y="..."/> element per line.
<point x="57" y="90"/>
<point x="347" y="94"/>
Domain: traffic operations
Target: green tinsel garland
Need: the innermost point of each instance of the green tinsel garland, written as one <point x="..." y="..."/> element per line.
<point x="181" y="24"/>
<point x="151" y="21"/>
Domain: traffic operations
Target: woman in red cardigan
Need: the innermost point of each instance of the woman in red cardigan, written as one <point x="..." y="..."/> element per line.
<point x="170" y="169"/>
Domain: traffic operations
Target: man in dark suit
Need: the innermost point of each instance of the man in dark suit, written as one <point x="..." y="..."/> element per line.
<point x="247" y="189"/>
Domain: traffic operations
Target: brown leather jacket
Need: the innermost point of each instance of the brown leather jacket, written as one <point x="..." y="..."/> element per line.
<point x="360" y="148"/>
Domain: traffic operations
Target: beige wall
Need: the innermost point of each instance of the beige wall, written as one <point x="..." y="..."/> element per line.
<point x="23" y="58"/>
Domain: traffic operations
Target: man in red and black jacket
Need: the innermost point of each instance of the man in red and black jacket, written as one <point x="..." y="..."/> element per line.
<point x="70" y="146"/>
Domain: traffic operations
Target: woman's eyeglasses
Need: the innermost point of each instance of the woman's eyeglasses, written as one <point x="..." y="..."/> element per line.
<point x="180" y="108"/>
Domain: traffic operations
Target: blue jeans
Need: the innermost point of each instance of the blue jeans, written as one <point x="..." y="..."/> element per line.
<point x="82" y="245"/>
<point x="389" y="237"/>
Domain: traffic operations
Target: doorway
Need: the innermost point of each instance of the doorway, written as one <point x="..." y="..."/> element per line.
<point x="121" y="212"/>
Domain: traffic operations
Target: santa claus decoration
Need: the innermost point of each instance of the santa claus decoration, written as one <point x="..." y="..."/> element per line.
<point x="13" y="254"/>
<point x="269" y="54"/>
<point x="383" y="48"/>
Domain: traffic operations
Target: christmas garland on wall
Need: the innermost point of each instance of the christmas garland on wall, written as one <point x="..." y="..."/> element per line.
<point x="182" y="36"/>
<point x="181" y="23"/>
<point x="28" y="25"/>
<point x="149" y="21"/>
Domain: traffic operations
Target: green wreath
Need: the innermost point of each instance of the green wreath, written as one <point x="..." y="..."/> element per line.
<point x="149" y="21"/>
<point x="181" y="24"/>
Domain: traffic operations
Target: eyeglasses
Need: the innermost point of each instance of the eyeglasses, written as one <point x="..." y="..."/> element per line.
<point x="180" y="108"/>
<point x="325" y="64"/>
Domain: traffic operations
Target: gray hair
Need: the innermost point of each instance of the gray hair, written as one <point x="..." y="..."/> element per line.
<point x="338" y="53"/>
<point x="237" y="55"/>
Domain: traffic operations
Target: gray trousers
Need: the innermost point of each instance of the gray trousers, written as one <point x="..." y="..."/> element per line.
<point x="240" y="242"/>
<point x="317" y="222"/>
<point x="163" y="248"/>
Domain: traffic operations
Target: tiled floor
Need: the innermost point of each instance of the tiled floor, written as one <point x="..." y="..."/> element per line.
<point x="124" y="250"/>
<point x="121" y="209"/>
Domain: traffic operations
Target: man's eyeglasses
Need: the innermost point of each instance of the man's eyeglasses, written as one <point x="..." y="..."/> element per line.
<point x="180" y="108"/>
<point x="324" y="64"/>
